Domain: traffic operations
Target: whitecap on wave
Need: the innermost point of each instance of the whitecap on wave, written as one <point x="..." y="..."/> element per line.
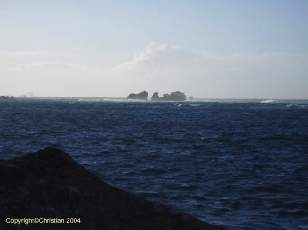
<point x="267" y="101"/>
<point x="296" y="106"/>
<point x="194" y="105"/>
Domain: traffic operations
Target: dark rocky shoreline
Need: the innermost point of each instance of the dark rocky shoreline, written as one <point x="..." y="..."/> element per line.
<point x="50" y="184"/>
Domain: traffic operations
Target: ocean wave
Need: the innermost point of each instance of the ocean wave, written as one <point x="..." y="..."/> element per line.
<point x="296" y="106"/>
<point x="268" y="101"/>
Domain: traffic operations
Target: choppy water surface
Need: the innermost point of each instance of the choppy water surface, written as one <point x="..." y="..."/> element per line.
<point x="241" y="164"/>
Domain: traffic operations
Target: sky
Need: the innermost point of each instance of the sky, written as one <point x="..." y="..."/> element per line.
<point x="206" y="48"/>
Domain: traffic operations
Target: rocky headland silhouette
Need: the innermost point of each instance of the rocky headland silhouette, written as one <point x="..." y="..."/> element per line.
<point x="50" y="184"/>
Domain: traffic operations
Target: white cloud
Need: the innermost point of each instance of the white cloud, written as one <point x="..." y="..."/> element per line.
<point x="19" y="61"/>
<point x="165" y="68"/>
<point x="157" y="55"/>
<point x="158" y="67"/>
<point x="24" y="53"/>
<point x="46" y="74"/>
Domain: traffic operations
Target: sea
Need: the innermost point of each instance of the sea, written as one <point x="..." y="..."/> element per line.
<point x="238" y="163"/>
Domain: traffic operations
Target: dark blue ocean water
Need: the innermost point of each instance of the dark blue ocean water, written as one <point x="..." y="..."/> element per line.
<point x="241" y="164"/>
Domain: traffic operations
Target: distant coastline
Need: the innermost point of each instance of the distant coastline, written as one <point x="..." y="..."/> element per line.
<point x="124" y="99"/>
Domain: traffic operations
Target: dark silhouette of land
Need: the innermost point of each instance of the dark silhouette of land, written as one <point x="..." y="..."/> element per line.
<point x="173" y="96"/>
<point x="140" y="96"/>
<point x="50" y="184"/>
<point x="6" y="98"/>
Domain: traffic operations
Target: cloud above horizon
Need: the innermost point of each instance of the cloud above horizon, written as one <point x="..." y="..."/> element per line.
<point x="158" y="67"/>
<point x="163" y="67"/>
<point x="240" y="49"/>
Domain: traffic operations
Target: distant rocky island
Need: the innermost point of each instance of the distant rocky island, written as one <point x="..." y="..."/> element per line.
<point x="139" y="96"/>
<point x="6" y="98"/>
<point x="173" y="96"/>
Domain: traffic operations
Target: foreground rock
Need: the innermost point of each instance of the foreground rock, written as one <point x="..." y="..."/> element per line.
<point x="49" y="184"/>
<point x="139" y="96"/>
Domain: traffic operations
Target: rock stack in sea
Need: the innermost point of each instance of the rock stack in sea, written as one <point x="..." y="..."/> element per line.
<point x="6" y="98"/>
<point x="50" y="184"/>
<point x="139" y="96"/>
<point x="173" y="96"/>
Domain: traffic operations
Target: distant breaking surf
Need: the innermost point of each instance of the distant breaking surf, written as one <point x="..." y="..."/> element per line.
<point x="267" y="101"/>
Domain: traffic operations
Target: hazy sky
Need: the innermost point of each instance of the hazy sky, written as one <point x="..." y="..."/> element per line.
<point x="218" y="48"/>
